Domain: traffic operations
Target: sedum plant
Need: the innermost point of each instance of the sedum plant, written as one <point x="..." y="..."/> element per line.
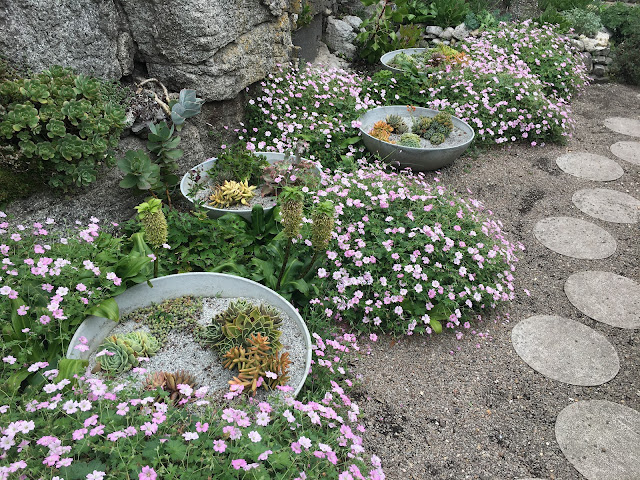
<point x="58" y="125"/>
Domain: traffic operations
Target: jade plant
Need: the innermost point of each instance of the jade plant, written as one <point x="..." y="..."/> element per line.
<point x="58" y="125"/>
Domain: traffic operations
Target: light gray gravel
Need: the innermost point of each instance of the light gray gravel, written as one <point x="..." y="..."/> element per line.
<point x="181" y="352"/>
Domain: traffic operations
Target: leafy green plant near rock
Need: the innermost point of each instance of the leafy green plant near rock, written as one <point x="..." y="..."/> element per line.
<point x="58" y="125"/>
<point x="583" y="22"/>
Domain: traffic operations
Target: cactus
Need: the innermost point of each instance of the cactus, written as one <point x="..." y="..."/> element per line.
<point x="421" y="126"/>
<point x="410" y="140"/>
<point x="397" y="123"/>
<point x="381" y="130"/>
<point x="437" y="138"/>
<point x="232" y="193"/>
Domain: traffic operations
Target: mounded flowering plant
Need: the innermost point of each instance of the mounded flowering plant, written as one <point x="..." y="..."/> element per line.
<point x="409" y="256"/>
<point x="99" y="430"/>
<point x="515" y="85"/>
<point x="49" y="283"/>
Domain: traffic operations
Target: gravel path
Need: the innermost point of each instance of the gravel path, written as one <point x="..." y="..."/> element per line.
<point x="473" y="409"/>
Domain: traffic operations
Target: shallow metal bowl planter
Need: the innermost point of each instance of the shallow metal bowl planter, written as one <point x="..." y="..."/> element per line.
<point x="418" y="159"/>
<point x="187" y="184"/>
<point x="96" y="329"/>
<point x="387" y="58"/>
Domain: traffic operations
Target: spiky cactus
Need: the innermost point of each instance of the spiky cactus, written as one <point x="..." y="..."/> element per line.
<point x="410" y="140"/>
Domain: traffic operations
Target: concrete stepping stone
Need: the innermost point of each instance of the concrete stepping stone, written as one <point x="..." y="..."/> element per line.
<point x="625" y="126"/>
<point x="565" y="350"/>
<point x="590" y="166"/>
<point x="628" y="151"/>
<point x="601" y="439"/>
<point x="608" y="205"/>
<point x="574" y="238"/>
<point x="605" y="297"/>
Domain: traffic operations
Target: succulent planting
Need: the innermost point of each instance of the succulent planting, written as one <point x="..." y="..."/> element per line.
<point x="397" y="123"/>
<point x="410" y="140"/>
<point x="123" y="351"/>
<point x="232" y="193"/>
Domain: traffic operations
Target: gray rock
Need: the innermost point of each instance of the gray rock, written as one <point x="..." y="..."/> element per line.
<point x="339" y="37"/>
<point x="461" y="32"/>
<point x="587" y="58"/>
<point x="579" y="44"/>
<point x="593" y="167"/>
<point x="434" y="30"/>
<point x="600" y="59"/>
<point x="217" y="48"/>
<point x="625" y="126"/>
<point x="78" y="34"/>
<point x="436" y="41"/>
<point x="447" y="33"/>
<point x="575" y="238"/>
<point x="354" y="21"/>
<point x="599" y="70"/>
<point x="628" y="151"/>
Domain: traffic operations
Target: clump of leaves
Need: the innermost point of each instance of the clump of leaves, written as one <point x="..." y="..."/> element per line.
<point x="169" y="382"/>
<point x="60" y="125"/>
<point x="174" y="314"/>
<point x="583" y="22"/>
<point x="238" y="164"/>
<point x="232" y="193"/>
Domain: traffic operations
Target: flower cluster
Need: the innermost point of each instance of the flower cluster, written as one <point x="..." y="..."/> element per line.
<point x="409" y="256"/>
<point x="108" y="431"/>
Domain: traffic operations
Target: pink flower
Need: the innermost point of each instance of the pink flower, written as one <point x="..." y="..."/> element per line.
<point x="254" y="436"/>
<point x="219" y="446"/>
<point x="147" y="473"/>
<point x="188" y="436"/>
<point x="239" y="463"/>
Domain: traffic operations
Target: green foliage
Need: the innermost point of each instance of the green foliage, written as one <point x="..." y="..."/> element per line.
<point x="305" y="16"/>
<point x="435" y="129"/>
<point x="140" y="172"/>
<point x="471" y="21"/>
<point x="164" y="145"/>
<point x="154" y="222"/>
<point x="449" y="13"/>
<point x="397" y="123"/>
<point x="380" y="32"/>
<point x="118" y="358"/>
<point x="563" y="5"/>
<point x="114" y="92"/>
<point x="583" y="22"/>
<point x="241" y="320"/>
<point x="622" y="20"/>
<point x="15" y="185"/>
<point x="626" y="62"/>
<point x="187" y="106"/>
<point x="437" y="138"/>
<point x="410" y="140"/>
<point x="551" y="16"/>
<point x="60" y="126"/>
<point x="238" y="164"/>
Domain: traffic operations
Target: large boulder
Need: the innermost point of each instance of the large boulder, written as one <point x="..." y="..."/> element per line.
<point x="217" y="48"/>
<point x="340" y="38"/>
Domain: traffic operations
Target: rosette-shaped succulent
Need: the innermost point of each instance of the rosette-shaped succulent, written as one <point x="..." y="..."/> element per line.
<point x="119" y="359"/>
<point x="154" y="222"/>
<point x="142" y="344"/>
<point x="381" y="130"/>
<point x="421" y="126"/>
<point x="291" y="209"/>
<point x="437" y="138"/>
<point x="322" y="227"/>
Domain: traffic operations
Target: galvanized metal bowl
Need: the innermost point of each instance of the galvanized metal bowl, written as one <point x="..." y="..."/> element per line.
<point x="418" y="159"/>
<point x="387" y="58"/>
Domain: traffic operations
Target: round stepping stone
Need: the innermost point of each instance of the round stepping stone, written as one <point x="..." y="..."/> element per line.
<point x="574" y="238"/>
<point x="607" y="205"/>
<point x="565" y="350"/>
<point x="625" y="126"/>
<point x="605" y="297"/>
<point x="590" y="166"/>
<point x="601" y="439"/>
<point x="629" y="151"/>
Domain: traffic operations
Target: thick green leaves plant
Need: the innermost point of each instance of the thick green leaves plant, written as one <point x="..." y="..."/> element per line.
<point x="139" y="171"/>
<point x="188" y="106"/>
<point x="58" y="125"/>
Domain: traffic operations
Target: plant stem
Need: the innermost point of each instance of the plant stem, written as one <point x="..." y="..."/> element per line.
<point x="155" y="264"/>
<point x="287" y="252"/>
<point x="316" y="254"/>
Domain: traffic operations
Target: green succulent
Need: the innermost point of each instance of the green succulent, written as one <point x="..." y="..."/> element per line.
<point x="143" y="344"/>
<point x="437" y="138"/>
<point x="139" y="171"/>
<point x="397" y="122"/>
<point x="122" y="360"/>
<point x="410" y="140"/>
<point x="421" y="126"/>
<point x="155" y="224"/>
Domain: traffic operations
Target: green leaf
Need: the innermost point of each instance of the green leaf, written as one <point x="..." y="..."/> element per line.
<point x="107" y="309"/>
<point x="436" y="326"/>
<point x="16" y="379"/>
<point x="68" y="367"/>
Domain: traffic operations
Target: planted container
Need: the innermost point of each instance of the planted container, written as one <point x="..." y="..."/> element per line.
<point x="96" y="329"/>
<point x="418" y="159"/>
<point x="188" y="183"/>
<point x="387" y="58"/>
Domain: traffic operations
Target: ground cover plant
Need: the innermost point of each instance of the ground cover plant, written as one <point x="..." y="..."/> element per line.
<point x="50" y="282"/>
<point x="516" y="86"/>
<point x="410" y="257"/>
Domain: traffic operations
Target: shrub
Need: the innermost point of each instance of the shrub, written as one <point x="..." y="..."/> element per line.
<point x="583" y="22"/>
<point x="50" y="283"/>
<point x="59" y="125"/>
<point x="562" y="5"/>
<point x="621" y="19"/>
<point x="449" y="13"/>
<point x="408" y="256"/>
<point x="626" y="62"/>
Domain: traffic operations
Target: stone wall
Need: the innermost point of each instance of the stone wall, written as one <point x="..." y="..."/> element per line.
<point x="215" y="47"/>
